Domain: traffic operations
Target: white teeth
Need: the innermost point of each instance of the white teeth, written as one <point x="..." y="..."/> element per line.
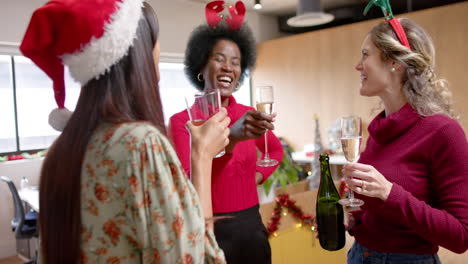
<point x="225" y="78"/>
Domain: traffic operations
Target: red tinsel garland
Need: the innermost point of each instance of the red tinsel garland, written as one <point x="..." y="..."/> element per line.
<point x="284" y="201"/>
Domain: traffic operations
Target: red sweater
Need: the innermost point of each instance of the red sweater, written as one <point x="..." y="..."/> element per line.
<point x="233" y="184"/>
<point x="426" y="159"/>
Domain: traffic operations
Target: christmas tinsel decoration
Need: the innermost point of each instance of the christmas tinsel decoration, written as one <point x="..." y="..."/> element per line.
<point x="283" y="201"/>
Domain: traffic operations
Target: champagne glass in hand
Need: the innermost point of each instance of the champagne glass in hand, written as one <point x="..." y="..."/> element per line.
<point x="265" y="105"/>
<point x="351" y="135"/>
<point x="201" y="106"/>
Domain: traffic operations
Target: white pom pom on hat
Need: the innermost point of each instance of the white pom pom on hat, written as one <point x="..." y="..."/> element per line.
<point x="88" y="36"/>
<point x="59" y="117"/>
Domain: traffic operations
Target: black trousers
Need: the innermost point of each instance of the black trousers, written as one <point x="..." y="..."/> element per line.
<point x="243" y="237"/>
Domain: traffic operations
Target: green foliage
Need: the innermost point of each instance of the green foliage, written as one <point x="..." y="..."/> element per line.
<point x="287" y="172"/>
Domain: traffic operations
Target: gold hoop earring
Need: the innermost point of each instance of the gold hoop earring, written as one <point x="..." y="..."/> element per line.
<point x="200" y="77"/>
<point x="237" y="88"/>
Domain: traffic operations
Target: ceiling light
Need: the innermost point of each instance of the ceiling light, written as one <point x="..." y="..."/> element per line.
<point x="257" y="5"/>
<point x="308" y="14"/>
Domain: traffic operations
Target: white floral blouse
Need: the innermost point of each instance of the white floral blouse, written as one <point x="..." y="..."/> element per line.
<point x="137" y="204"/>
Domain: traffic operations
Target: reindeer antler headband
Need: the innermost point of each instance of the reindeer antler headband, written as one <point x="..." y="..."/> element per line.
<point x="213" y="16"/>
<point x="395" y="23"/>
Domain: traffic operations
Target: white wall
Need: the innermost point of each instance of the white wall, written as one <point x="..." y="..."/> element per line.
<point x="14" y="18"/>
<point x="177" y="18"/>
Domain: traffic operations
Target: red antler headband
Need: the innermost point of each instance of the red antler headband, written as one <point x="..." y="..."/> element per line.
<point x="213" y="17"/>
<point x="395" y="23"/>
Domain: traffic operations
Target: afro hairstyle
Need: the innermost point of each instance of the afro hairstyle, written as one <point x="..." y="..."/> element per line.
<point x="202" y="40"/>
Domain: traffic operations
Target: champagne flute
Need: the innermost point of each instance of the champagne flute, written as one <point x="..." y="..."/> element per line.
<point x="351" y="136"/>
<point x="265" y="105"/>
<point x="201" y="106"/>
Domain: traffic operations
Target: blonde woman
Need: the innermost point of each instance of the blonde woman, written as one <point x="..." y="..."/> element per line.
<point x="413" y="174"/>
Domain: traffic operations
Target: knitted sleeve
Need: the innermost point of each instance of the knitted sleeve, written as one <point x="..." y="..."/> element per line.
<point x="445" y="222"/>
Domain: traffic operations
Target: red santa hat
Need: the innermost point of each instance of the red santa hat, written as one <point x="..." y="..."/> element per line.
<point x="88" y="36"/>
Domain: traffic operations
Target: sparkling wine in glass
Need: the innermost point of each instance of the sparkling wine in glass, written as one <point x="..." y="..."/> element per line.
<point x="201" y="106"/>
<point x="351" y="136"/>
<point x="265" y="104"/>
<point x="351" y="147"/>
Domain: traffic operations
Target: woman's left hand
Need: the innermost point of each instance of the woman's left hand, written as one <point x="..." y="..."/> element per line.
<point x="366" y="180"/>
<point x="252" y="125"/>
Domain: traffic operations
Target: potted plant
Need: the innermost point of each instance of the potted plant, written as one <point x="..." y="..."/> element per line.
<point x="286" y="173"/>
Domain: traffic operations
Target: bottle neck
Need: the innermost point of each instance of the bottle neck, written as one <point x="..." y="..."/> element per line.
<point x="325" y="170"/>
<point x="326" y="180"/>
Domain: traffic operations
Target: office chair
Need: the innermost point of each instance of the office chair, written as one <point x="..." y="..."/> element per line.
<point x="23" y="224"/>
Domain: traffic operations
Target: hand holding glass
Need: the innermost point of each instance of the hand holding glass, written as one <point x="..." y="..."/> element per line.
<point x="265" y="105"/>
<point x="202" y="106"/>
<point x="351" y="135"/>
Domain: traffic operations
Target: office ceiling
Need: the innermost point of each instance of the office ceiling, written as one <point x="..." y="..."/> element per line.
<point x="345" y="11"/>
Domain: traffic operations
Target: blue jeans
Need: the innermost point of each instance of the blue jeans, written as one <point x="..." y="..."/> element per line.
<point x="362" y="255"/>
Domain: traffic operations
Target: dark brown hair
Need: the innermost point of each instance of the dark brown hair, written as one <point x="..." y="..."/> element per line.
<point x="201" y="42"/>
<point x="128" y="92"/>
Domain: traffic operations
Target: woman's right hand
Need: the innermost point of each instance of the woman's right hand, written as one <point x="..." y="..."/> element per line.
<point x="210" y="138"/>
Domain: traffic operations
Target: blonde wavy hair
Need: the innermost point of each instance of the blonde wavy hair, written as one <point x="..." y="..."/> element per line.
<point x="425" y="92"/>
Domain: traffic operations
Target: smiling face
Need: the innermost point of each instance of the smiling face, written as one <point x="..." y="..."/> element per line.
<point x="375" y="72"/>
<point x="223" y="68"/>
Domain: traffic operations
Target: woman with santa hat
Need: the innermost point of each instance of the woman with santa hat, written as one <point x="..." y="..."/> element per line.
<point x="112" y="189"/>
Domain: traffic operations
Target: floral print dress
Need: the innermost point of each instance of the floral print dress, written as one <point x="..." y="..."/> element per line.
<point x="137" y="204"/>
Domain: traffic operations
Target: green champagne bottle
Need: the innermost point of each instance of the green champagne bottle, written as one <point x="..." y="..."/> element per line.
<point x="329" y="213"/>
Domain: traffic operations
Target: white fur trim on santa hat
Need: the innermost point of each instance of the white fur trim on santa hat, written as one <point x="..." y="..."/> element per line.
<point x="99" y="55"/>
<point x="59" y="117"/>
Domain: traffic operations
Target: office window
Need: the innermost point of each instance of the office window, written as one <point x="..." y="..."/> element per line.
<point x="7" y="110"/>
<point x="35" y="100"/>
<point x="26" y="99"/>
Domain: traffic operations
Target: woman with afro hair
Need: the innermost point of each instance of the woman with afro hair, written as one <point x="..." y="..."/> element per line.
<point x="219" y="58"/>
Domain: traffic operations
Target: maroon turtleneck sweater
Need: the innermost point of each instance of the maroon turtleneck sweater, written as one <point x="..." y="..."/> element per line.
<point x="426" y="159"/>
